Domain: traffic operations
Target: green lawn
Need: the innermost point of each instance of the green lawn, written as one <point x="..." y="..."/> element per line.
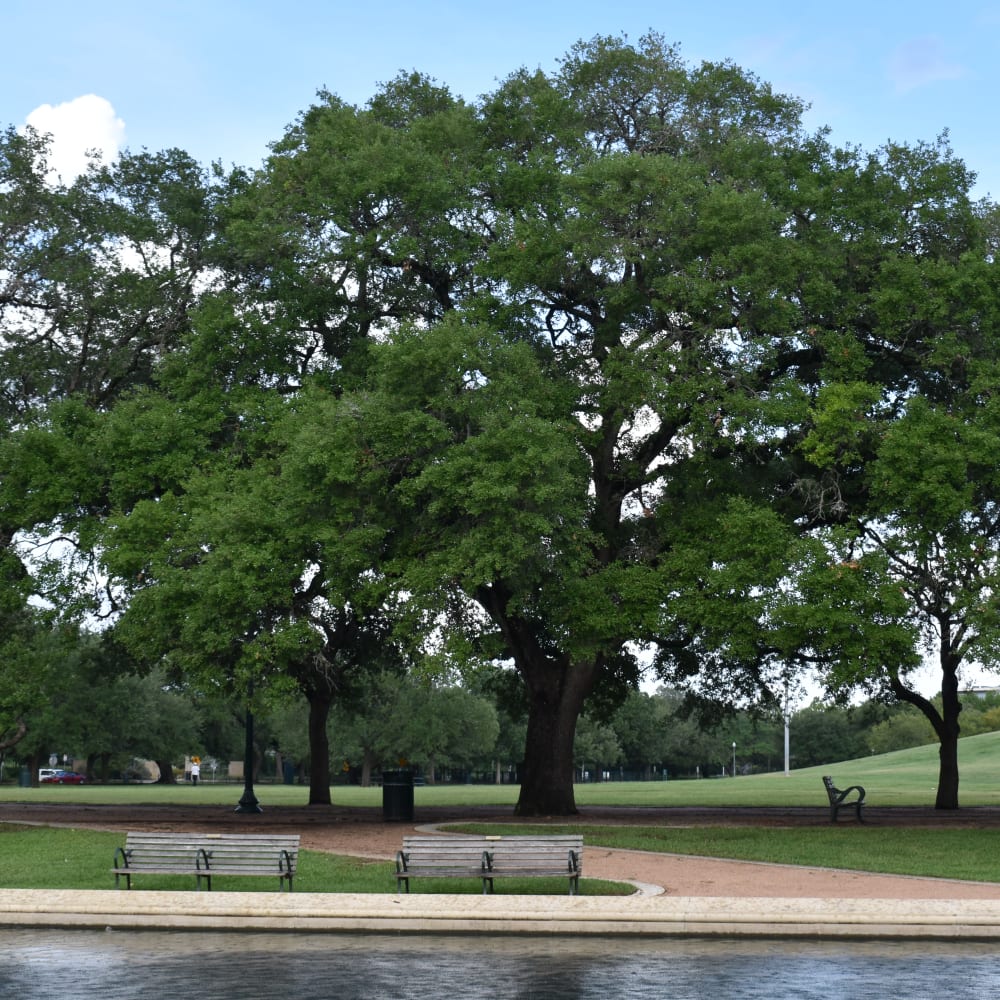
<point x="907" y="777"/>
<point x="56" y="858"/>
<point x="958" y="853"/>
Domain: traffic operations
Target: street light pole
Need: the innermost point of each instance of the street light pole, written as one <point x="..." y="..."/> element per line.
<point x="734" y="758"/>
<point x="249" y="802"/>
<point x="787" y="755"/>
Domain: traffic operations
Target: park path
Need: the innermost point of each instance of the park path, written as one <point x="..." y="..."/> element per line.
<point x="358" y="833"/>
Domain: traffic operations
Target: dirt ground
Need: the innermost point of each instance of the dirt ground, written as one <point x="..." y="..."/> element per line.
<point x="364" y="833"/>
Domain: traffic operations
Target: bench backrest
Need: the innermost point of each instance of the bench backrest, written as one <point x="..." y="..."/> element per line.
<point x="444" y="851"/>
<point x="236" y="851"/>
<point x="233" y="851"/>
<point x="527" y="850"/>
<point x="450" y="850"/>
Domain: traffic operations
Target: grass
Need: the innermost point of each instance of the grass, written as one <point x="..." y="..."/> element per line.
<point x="58" y="858"/>
<point x="937" y="853"/>
<point x="39" y="857"/>
<point x="34" y="857"/>
<point x="903" y="778"/>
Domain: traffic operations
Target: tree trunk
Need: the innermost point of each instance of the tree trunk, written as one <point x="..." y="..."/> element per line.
<point x="945" y="724"/>
<point x="166" y="773"/>
<point x="368" y="762"/>
<point x="947" y="791"/>
<point x="319" y="748"/>
<point x="557" y="688"/>
<point x="948" y="733"/>
<point x="556" y="693"/>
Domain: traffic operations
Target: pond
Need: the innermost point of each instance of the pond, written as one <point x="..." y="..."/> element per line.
<point x="201" y="966"/>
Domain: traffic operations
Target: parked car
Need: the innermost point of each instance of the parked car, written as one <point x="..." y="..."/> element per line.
<point x="64" y="778"/>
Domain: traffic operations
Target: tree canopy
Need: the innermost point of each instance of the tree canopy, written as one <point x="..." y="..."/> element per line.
<point x="616" y="361"/>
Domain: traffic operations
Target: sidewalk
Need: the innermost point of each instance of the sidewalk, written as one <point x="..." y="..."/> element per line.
<point x="431" y="913"/>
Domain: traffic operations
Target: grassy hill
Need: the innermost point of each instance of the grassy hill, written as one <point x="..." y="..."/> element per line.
<point x="906" y="777"/>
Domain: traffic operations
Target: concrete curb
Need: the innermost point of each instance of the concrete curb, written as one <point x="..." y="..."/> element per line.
<point x="425" y="913"/>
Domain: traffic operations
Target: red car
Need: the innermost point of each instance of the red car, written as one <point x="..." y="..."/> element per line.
<point x="63" y="778"/>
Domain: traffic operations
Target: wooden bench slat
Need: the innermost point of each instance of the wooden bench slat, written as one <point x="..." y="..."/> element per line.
<point x="206" y="854"/>
<point x="487" y="858"/>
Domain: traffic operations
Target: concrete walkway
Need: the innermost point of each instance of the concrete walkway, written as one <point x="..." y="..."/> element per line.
<point x="432" y="913"/>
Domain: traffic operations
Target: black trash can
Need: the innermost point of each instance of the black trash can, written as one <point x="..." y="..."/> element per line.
<point x="24" y="778"/>
<point x="288" y="772"/>
<point x="397" y="796"/>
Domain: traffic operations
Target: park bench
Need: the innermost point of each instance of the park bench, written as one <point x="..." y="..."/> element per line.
<point x="206" y="854"/>
<point x="839" y="799"/>
<point x="489" y="858"/>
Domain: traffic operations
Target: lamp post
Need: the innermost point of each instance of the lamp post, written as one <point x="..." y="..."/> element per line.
<point x="248" y="802"/>
<point x="734" y="758"/>
<point x="787" y="746"/>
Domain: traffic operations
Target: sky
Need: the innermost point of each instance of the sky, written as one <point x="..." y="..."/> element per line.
<point x="222" y="79"/>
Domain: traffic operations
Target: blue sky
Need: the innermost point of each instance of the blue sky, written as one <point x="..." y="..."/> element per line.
<point x="222" y="79"/>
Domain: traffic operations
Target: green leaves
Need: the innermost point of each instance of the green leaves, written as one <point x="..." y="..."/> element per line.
<point x="490" y="470"/>
<point x="843" y="432"/>
<point x="943" y="447"/>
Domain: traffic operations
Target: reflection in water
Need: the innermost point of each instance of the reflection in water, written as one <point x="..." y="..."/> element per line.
<point x="185" y="966"/>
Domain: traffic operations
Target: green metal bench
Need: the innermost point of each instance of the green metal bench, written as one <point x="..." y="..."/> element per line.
<point x="840" y="799"/>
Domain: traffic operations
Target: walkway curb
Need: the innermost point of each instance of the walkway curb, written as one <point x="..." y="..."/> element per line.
<point x="427" y="913"/>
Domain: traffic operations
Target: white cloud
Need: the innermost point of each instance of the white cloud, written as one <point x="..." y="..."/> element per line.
<point x="84" y="125"/>
<point x="920" y="61"/>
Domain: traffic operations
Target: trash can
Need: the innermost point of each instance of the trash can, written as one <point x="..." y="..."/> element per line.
<point x="24" y="778"/>
<point x="397" y="796"/>
<point x="288" y="772"/>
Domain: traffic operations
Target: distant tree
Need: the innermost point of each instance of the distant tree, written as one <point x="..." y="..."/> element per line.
<point x="445" y="726"/>
<point x="758" y="738"/>
<point x="642" y="724"/>
<point x="988" y="722"/>
<point x="823" y="734"/>
<point x="428" y="725"/>
<point x="595" y="748"/>
<point x="980" y="713"/>
<point x="691" y="743"/>
<point x="29" y="657"/>
<point x="290" y="728"/>
<point x="501" y="686"/>
<point x="368" y="733"/>
<point x="901" y="731"/>
<point x="35" y="689"/>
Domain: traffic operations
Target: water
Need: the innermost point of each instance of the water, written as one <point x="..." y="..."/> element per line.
<point x="80" y="965"/>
